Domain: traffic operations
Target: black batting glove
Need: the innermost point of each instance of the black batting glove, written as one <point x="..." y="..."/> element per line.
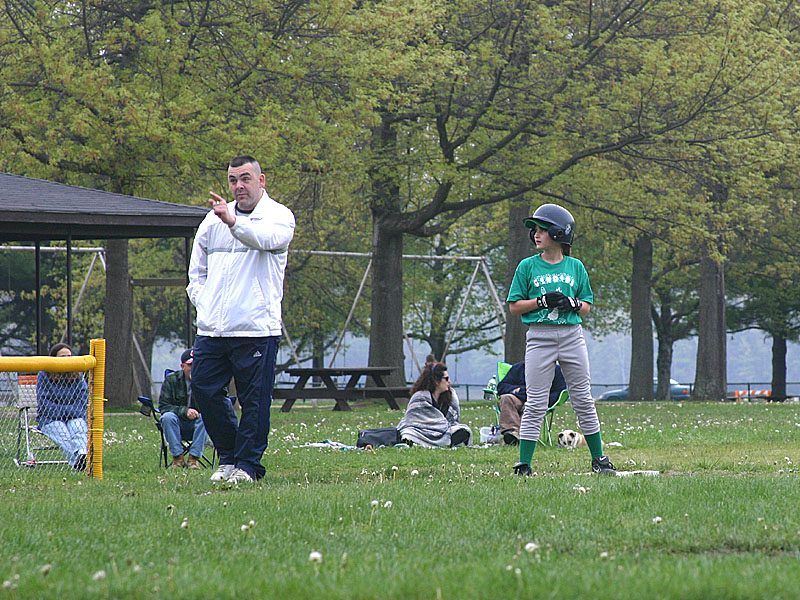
<point x="567" y="304"/>
<point x="550" y="300"/>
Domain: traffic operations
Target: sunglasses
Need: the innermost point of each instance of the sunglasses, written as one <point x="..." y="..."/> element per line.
<point x="446" y="378"/>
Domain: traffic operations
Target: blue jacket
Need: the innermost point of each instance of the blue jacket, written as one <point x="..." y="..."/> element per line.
<point x="60" y="399"/>
<point x="514" y="383"/>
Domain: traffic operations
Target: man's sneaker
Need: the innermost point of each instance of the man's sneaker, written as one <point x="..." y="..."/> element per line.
<point x="510" y="439"/>
<point x="177" y="461"/>
<point x="192" y="462"/>
<point x="239" y="475"/>
<point x="522" y="469"/>
<point x="222" y="473"/>
<point x="602" y="465"/>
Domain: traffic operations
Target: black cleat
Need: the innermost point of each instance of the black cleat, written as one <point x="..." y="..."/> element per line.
<point x="522" y="469"/>
<point x="603" y="466"/>
<point x="80" y="463"/>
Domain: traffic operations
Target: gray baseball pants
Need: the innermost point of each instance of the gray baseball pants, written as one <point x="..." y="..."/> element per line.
<point x="544" y="345"/>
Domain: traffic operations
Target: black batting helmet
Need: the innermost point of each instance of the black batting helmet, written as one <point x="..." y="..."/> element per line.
<point x="557" y="220"/>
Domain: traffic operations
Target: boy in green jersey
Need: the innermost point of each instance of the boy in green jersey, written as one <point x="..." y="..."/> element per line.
<point x="551" y="293"/>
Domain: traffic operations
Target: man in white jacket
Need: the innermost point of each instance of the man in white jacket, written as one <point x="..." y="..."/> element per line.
<point x="236" y="284"/>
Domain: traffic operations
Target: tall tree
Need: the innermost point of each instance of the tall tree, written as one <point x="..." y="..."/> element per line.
<point x="763" y="278"/>
<point x="674" y="314"/>
<point x="704" y="178"/>
<point x="537" y="72"/>
<point x="94" y="95"/>
<point x="641" y="376"/>
<point x="153" y="98"/>
<point x="118" y="319"/>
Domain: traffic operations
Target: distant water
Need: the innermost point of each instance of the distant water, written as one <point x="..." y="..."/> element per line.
<point x="749" y="360"/>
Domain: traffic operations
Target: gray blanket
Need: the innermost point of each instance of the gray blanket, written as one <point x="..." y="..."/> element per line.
<point x="425" y="425"/>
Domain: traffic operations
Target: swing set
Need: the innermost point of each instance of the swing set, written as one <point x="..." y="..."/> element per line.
<point x="480" y="267"/>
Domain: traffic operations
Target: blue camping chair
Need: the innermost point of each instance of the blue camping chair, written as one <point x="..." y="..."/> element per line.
<point x="148" y="408"/>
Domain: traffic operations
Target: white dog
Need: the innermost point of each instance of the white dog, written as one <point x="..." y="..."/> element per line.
<point x="570" y="439"/>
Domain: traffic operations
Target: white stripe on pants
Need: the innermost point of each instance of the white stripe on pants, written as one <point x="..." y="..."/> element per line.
<point x="544" y="345"/>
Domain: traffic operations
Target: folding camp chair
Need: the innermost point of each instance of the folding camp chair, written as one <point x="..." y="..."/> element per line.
<point x="148" y="408"/>
<point x="490" y="392"/>
<point x="547" y="424"/>
<point x="33" y="446"/>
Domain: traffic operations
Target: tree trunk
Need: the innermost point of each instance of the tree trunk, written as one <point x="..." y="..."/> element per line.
<point x="641" y="373"/>
<point x="386" y="330"/>
<point x="386" y="313"/>
<point x="778" y="368"/>
<point x="441" y="313"/>
<point x="664" y="366"/>
<point x="318" y="355"/>
<point x="118" y="326"/>
<point x="663" y="323"/>
<point x="710" y="373"/>
<point x="518" y="248"/>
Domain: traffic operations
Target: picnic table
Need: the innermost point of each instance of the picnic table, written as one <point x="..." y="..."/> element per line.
<point x="341" y="395"/>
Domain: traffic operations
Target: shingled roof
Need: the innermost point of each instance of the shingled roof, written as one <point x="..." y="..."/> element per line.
<point x="36" y="210"/>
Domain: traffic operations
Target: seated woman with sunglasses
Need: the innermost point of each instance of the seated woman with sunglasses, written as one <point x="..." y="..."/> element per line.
<point x="433" y="411"/>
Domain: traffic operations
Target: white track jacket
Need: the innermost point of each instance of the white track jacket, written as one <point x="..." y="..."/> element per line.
<point x="236" y="273"/>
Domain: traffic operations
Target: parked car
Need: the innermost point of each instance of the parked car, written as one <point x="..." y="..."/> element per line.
<point x="676" y="392"/>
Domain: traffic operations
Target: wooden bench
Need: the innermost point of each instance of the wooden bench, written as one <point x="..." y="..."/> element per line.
<point x="330" y="390"/>
<point x="359" y="393"/>
<point x="380" y="392"/>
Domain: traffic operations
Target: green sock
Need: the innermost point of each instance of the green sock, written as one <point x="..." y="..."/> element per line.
<point x="526" y="448"/>
<point x="595" y="444"/>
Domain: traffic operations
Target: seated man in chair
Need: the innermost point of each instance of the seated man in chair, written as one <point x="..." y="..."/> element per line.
<point x="512" y="395"/>
<point x="179" y="419"/>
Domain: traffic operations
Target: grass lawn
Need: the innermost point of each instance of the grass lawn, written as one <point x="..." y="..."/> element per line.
<point x="721" y="521"/>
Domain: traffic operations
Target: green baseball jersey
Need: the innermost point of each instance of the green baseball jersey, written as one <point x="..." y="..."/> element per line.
<point x="534" y="277"/>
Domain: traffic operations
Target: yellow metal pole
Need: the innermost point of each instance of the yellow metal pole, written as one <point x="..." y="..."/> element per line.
<point x="94" y="466"/>
<point x="96" y="362"/>
<point x="53" y="364"/>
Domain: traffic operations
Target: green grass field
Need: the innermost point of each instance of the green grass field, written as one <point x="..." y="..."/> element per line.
<point x="721" y="521"/>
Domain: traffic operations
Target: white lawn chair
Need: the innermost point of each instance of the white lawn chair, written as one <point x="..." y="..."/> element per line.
<point x="33" y="446"/>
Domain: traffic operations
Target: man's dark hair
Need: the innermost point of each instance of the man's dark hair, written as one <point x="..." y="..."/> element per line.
<point x="245" y="159"/>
